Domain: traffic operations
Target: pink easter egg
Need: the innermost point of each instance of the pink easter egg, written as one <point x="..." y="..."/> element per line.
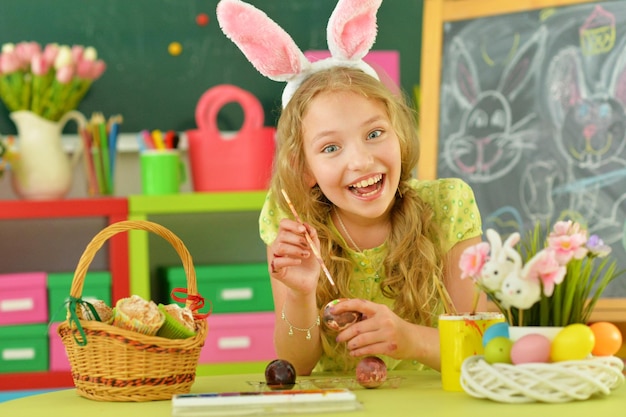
<point x="532" y="348"/>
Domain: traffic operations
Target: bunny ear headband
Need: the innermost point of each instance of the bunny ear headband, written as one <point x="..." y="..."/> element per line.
<point x="351" y="32"/>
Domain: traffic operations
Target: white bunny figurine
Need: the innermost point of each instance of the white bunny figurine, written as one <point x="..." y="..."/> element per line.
<point x="517" y="290"/>
<point x="350" y="34"/>
<point x="499" y="264"/>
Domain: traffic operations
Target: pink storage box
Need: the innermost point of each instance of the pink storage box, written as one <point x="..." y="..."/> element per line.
<point x="240" y="337"/>
<point x="58" y="356"/>
<point x="23" y="298"/>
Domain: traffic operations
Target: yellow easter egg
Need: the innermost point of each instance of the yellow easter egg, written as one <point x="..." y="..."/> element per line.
<point x="574" y="342"/>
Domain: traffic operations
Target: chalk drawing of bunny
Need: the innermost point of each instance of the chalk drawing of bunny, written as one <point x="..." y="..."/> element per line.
<point x="590" y="121"/>
<point x="490" y="143"/>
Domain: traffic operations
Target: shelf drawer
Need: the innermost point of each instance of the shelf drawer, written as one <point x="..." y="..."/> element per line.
<point x="58" y="355"/>
<point x="231" y="288"/>
<point x="24" y="348"/>
<point x="243" y="337"/>
<point x="23" y="298"/>
<point x="97" y="286"/>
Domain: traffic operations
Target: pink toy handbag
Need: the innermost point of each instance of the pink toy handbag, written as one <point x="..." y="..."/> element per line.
<point x="234" y="163"/>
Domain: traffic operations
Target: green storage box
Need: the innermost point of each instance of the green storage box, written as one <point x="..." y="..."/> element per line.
<point x="230" y="288"/>
<point x="24" y="348"/>
<point x="97" y="285"/>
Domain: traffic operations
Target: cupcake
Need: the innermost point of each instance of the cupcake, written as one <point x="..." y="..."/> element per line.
<point x="138" y="315"/>
<point x="179" y="322"/>
<point x="103" y="311"/>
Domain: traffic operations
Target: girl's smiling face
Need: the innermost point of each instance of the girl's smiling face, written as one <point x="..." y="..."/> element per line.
<point x="352" y="152"/>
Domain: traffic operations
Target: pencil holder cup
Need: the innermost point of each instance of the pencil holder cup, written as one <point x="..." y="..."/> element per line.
<point x="162" y="172"/>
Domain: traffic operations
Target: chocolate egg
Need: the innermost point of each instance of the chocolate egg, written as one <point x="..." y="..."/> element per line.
<point x="371" y="372"/>
<point x="339" y="322"/>
<point x="280" y="375"/>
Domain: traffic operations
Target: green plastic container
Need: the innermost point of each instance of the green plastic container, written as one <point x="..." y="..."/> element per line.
<point x="230" y="288"/>
<point x="24" y="348"/>
<point x="97" y="285"/>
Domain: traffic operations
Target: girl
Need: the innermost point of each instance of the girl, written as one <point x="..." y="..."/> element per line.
<point x="346" y="149"/>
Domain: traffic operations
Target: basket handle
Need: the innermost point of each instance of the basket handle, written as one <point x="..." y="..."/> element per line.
<point x="98" y="240"/>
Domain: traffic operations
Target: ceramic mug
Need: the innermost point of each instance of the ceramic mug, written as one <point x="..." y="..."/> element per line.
<point x="461" y="336"/>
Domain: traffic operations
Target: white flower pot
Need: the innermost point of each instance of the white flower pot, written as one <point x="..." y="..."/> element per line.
<point x="515" y="332"/>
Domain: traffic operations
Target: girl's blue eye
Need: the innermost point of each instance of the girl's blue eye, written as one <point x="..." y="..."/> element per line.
<point x="330" y="148"/>
<point x="374" y="134"/>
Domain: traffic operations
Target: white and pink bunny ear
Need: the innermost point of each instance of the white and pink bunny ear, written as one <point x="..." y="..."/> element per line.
<point x="266" y="45"/>
<point x="351" y="30"/>
<point x="351" y="33"/>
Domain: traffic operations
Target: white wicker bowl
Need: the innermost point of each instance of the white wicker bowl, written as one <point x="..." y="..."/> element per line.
<point x="541" y="382"/>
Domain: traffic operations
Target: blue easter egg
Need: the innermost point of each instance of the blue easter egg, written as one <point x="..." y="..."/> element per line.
<point x="495" y="330"/>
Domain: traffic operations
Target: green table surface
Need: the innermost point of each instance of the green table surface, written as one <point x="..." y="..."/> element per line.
<point x="419" y="394"/>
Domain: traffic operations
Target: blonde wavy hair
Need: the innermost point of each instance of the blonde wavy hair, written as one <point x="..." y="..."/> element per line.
<point x="415" y="258"/>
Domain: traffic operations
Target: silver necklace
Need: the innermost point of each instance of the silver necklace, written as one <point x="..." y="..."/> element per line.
<point x="353" y="243"/>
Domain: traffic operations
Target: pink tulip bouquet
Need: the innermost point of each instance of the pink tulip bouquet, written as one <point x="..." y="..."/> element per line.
<point x="552" y="280"/>
<point x="48" y="81"/>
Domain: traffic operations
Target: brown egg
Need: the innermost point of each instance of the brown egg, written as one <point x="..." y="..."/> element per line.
<point x="371" y="372"/>
<point x="339" y="322"/>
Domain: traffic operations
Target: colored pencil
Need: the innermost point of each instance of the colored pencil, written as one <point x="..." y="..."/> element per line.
<point x="92" y="181"/>
<point x="114" y="127"/>
<point x="157" y="137"/>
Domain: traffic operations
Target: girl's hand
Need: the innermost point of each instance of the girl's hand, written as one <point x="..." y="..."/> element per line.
<point x="291" y="260"/>
<point x="380" y="332"/>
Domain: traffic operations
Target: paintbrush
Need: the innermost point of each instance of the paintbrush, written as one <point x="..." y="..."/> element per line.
<point x="309" y="240"/>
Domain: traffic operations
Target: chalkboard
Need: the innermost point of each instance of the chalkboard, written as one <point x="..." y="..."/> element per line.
<point x="531" y="113"/>
<point x="155" y="90"/>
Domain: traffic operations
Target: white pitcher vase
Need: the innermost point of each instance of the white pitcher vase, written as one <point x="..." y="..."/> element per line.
<point x="43" y="169"/>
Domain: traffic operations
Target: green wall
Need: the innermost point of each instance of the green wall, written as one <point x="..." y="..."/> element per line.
<point x="155" y="90"/>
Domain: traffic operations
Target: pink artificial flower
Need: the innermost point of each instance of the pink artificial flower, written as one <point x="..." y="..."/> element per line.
<point x="568" y="241"/>
<point x="39" y="65"/>
<point x="65" y="74"/>
<point x="77" y="52"/>
<point x="472" y="260"/>
<point x="83" y="68"/>
<point x="98" y="69"/>
<point x="544" y="267"/>
<point x="90" y="70"/>
<point x="25" y="52"/>
<point x="10" y="62"/>
<point x="50" y="52"/>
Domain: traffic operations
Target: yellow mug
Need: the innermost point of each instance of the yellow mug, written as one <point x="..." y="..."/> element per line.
<point x="460" y="336"/>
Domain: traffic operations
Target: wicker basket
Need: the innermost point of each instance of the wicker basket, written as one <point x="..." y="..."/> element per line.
<point x="541" y="382"/>
<point x="114" y="364"/>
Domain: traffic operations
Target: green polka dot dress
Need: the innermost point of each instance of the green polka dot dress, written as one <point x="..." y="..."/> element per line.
<point x="455" y="210"/>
